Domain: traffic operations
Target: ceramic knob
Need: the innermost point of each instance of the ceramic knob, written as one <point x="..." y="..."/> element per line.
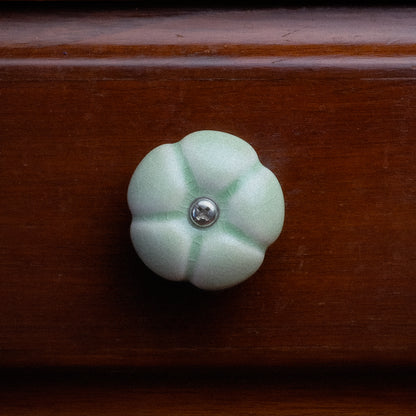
<point x="204" y="210"/>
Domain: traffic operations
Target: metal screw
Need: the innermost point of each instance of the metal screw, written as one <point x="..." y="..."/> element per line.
<point x="203" y="212"/>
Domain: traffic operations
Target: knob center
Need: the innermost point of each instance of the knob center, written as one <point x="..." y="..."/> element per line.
<point x="203" y="212"/>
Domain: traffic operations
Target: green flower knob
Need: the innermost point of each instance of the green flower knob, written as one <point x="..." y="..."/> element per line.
<point x="204" y="210"/>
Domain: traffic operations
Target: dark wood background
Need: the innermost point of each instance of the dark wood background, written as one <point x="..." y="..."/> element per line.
<point x="328" y="100"/>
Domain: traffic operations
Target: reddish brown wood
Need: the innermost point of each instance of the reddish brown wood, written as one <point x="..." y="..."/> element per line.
<point x="332" y="116"/>
<point x="206" y="394"/>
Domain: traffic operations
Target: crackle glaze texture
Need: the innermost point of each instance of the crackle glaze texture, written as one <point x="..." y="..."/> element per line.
<point x="227" y="170"/>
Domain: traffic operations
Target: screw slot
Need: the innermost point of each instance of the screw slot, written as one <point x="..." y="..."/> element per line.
<point x="203" y="212"/>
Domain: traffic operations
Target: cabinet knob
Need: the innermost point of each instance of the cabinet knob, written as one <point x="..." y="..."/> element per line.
<point x="204" y="210"/>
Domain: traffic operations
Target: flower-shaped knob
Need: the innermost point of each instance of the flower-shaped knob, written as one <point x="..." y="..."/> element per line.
<point x="204" y="210"/>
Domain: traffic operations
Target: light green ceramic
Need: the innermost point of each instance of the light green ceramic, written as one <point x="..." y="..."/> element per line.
<point x="225" y="169"/>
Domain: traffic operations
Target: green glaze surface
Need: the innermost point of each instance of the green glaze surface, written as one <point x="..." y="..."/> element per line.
<point x="225" y="169"/>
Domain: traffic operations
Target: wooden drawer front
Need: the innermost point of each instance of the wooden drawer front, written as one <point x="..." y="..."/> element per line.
<point x="338" y="128"/>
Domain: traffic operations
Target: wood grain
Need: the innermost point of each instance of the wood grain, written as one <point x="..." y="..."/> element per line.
<point x="291" y="393"/>
<point x="335" y="120"/>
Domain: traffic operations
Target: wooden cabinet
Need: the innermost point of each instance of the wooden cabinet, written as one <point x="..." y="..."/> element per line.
<point x="328" y="100"/>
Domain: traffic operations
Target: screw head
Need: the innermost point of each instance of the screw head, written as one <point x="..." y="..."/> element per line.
<point x="203" y="212"/>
